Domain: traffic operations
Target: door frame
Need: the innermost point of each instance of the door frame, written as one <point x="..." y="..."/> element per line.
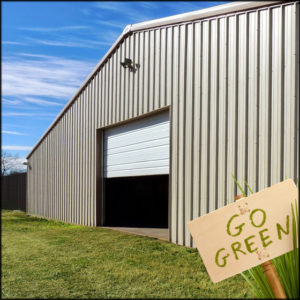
<point x="100" y="186"/>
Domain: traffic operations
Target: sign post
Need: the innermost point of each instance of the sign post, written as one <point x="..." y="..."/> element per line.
<point x="270" y="273"/>
<point x="247" y="233"/>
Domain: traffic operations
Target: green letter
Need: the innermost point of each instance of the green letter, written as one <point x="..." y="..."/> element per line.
<point x="248" y="245"/>
<point x="224" y="258"/>
<point x="263" y="217"/>
<point x="279" y="228"/>
<point x="237" y="227"/>
<point x="263" y="238"/>
<point x="237" y="248"/>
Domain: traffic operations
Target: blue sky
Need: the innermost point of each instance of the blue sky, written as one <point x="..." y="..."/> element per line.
<point x="49" y="48"/>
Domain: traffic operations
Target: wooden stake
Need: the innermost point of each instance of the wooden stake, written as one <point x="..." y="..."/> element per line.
<point x="270" y="273"/>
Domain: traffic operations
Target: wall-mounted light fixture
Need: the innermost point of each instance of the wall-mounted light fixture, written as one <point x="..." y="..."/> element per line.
<point x="128" y="63"/>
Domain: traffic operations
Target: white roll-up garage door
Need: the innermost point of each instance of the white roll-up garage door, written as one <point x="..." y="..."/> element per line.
<point x="138" y="148"/>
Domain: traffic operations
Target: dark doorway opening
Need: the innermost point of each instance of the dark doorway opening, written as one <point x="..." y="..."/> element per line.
<point x="140" y="201"/>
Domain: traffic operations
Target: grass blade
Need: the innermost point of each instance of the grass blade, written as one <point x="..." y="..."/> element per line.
<point x="247" y="185"/>
<point x="240" y="188"/>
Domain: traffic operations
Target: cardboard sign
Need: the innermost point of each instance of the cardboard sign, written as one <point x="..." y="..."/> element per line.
<point x="246" y="233"/>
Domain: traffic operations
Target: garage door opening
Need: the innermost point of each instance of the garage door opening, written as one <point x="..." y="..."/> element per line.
<point x="136" y="175"/>
<point x="140" y="201"/>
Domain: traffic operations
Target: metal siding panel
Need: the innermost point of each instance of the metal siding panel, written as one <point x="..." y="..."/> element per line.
<point x="114" y="87"/>
<point x="59" y="170"/>
<point x="50" y="180"/>
<point x="77" y="152"/>
<point x="221" y="175"/>
<point x="80" y="169"/>
<point x="117" y="70"/>
<point x="61" y="166"/>
<point x="104" y="95"/>
<point x="56" y="174"/>
<point x="111" y="90"/>
<point x="123" y="85"/>
<point x="53" y="182"/>
<point x="38" y="199"/>
<point x="93" y="156"/>
<point x="151" y="79"/>
<point x="295" y="86"/>
<point x="102" y="101"/>
<point x="174" y="138"/>
<point x="98" y="102"/>
<point x="131" y="99"/>
<point x="189" y="128"/>
<point x="52" y="175"/>
<point x="47" y="177"/>
<point x="35" y="183"/>
<point x="136" y="74"/>
<point x="213" y="117"/>
<point x="181" y="135"/>
<point x="126" y="81"/>
<point x="59" y="173"/>
<point x="66" y="166"/>
<point x="85" y="153"/>
<point x="289" y="103"/>
<point x="45" y="171"/>
<point x="61" y="153"/>
<point x="242" y="99"/>
<point x="146" y="83"/>
<point x="156" y="69"/>
<point x="141" y="73"/>
<point x="163" y="67"/>
<point x="197" y="121"/>
<point x="264" y="96"/>
<point x="169" y="66"/>
<point x="75" y="160"/>
<point x="71" y="164"/>
<point x="276" y="96"/>
<point x="253" y="101"/>
<point x="232" y="107"/>
<point x="204" y="113"/>
<point x="90" y="157"/>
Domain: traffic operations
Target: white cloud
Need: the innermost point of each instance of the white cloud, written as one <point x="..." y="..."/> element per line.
<point x="11" y="102"/>
<point x="19" y="103"/>
<point x="42" y="102"/>
<point x="133" y="14"/>
<point x="51" y="29"/>
<point x="75" y="43"/>
<point x="26" y="114"/>
<point x="33" y="76"/>
<point x="12" y="43"/>
<point x="12" y="132"/>
<point x="16" y="148"/>
<point x="112" y="24"/>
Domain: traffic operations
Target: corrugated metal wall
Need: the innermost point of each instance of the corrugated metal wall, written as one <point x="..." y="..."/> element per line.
<point x="231" y="84"/>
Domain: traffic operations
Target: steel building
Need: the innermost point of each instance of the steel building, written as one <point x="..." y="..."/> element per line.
<point x="175" y="107"/>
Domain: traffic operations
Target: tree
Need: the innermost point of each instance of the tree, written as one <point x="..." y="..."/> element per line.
<point x="11" y="163"/>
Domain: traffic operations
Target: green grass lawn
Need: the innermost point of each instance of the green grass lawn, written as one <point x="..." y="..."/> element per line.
<point x="49" y="259"/>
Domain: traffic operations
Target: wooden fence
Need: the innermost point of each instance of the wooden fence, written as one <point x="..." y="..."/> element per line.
<point x="13" y="191"/>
